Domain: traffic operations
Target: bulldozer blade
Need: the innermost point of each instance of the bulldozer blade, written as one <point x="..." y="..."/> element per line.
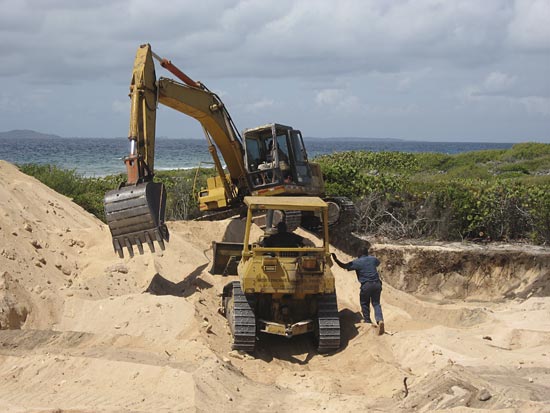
<point x="226" y="257"/>
<point x="135" y="215"/>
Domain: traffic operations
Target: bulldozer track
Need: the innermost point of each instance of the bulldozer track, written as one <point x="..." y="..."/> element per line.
<point x="328" y="323"/>
<point x="243" y="320"/>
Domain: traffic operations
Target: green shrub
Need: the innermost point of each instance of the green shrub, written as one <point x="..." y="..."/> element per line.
<point x="528" y="150"/>
<point x="89" y="192"/>
<point x="66" y="182"/>
<point x="181" y="188"/>
<point x="484" y="195"/>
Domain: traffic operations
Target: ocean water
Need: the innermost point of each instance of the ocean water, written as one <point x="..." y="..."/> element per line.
<point x="103" y="156"/>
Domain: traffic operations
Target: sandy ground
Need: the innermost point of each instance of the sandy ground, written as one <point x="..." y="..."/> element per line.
<point x="84" y="331"/>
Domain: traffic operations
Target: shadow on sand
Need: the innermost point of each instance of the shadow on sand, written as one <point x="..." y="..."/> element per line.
<point x="190" y="284"/>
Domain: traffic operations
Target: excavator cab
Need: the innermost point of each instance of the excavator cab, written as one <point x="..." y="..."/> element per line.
<point x="276" y="160"/>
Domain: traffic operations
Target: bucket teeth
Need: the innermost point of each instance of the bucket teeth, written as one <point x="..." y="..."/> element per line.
<point x="150" y="242"/>
<point x="138" y="240"/>
<point x="129" y="246"/>
<point x="160" y="241"/>
<point x="140" y="246"/>
<point x="118" y="248"/>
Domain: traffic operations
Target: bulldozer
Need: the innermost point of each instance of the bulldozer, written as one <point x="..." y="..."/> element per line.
<point x="283" y="288"/>
<point x="270" y="160"/>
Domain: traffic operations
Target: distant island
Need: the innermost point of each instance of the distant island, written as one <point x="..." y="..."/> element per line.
<point x="355" y="138"/>
<point x="26" y="134"/>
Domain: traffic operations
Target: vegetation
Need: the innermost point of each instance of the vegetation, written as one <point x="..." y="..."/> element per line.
<point x="181" y="187"/>
<point x="86" y="192"/>
<point x="487" y="195"/>
<point x="89" y="192"/>
<point x="491" y="195"/>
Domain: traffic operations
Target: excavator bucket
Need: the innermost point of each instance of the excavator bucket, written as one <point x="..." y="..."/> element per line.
<point x="135" y="214"/>
<point x="226" y="257"/>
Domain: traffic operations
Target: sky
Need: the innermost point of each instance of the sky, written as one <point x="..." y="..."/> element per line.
<point x="431" y="70"/>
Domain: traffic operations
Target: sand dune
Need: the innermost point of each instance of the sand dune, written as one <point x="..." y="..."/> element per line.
<point x="83" y="331"/>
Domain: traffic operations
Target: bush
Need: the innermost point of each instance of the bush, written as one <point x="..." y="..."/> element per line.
<point x="66" y="182"/>
<point x="89" y="192"/>
<point x="86" y="192"/>
<point x="525" y="151"/>
<point x="484" y="195"/>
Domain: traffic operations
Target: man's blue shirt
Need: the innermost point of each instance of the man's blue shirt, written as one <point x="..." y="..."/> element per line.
<point x="365" y="268"/>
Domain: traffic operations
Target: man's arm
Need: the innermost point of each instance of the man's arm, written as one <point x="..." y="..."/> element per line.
<point x="345" y="266"/>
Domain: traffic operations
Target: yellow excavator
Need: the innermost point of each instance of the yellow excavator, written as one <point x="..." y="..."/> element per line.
<point x="266" y="160"/>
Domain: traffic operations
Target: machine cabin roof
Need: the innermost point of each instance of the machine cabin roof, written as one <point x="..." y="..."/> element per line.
<point x="268" y="126"/>
<point x="300" y="203"/>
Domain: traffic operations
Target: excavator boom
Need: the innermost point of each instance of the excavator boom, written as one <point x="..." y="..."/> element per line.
<point x="209" y="110"/>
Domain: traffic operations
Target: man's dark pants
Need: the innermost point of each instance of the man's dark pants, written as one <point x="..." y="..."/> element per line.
<point x="370" y="293"/>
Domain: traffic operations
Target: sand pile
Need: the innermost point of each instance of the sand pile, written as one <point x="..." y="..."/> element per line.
<point x="83" y="331"/>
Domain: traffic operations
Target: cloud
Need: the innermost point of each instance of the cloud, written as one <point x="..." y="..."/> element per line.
<point x="529" y="27"/>
<point x="345" y="102"/>
<point x="337" y="98"/>
<point x="65" y="40"/>
<point x="258" y="105"/>
<point x="497" y="82"/>
<point x="498" y="89"/>
<point x="37" y="99"/>
<point x="382" y="59"/>
<point x="494" y="84"/>
<point x="121" y="106"/>
<point x="536" y="105"/>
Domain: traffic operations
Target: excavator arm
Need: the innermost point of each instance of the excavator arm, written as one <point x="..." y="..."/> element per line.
<point x="135" y="211"/>
<point x="221" y="135"/>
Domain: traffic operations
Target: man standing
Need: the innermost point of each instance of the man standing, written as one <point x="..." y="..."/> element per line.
<point x="371" y="285"/>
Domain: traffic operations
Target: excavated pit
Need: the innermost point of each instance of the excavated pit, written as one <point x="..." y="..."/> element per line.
<point x="467" y="271"/>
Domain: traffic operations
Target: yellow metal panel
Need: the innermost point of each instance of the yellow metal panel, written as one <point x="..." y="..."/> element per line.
<point x="306" y="203"/>
<point x="281" y="275"/>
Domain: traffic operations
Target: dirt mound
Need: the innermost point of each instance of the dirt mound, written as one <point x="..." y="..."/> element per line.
<point x="85" y="331"/>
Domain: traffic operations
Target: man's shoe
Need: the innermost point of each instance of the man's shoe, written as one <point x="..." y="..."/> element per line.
<point x="367" y="321"/>
<point x="381" y="328"/>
